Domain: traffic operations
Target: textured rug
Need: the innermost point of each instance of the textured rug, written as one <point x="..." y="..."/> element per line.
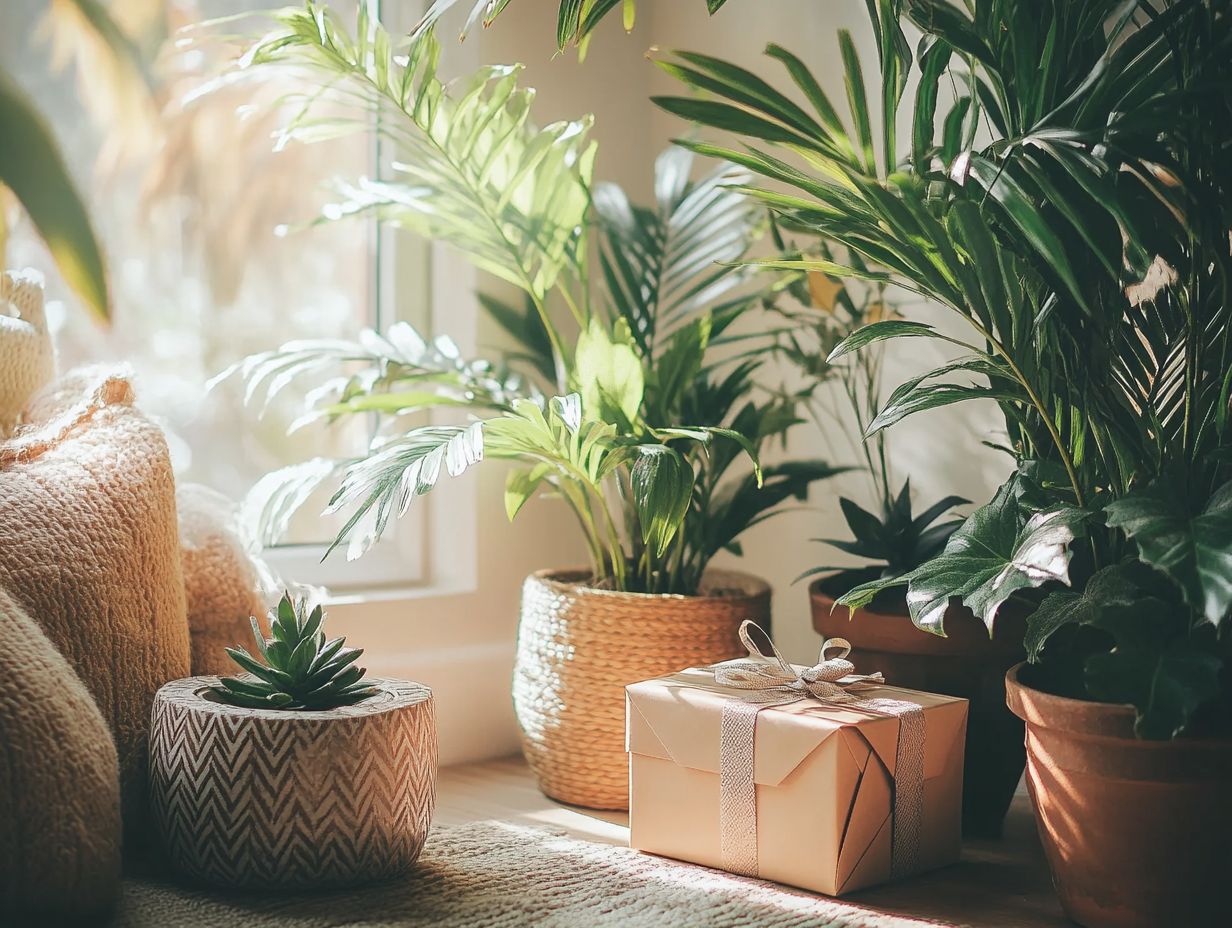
<point x="500" y="875"/>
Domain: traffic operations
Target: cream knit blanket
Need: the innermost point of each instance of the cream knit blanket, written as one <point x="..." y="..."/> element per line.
<point x="27" y="360"/>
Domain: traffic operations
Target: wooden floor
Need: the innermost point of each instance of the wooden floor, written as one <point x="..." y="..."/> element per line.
<point x="1001" y="883"/>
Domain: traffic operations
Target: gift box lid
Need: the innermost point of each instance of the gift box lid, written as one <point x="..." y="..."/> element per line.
<point x="676" y="718"/>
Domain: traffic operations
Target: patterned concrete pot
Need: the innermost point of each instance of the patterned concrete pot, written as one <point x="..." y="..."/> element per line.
<point x="265" y="799"/>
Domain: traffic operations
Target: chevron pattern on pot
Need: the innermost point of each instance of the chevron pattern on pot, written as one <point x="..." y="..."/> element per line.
<point x="264" y="798"/>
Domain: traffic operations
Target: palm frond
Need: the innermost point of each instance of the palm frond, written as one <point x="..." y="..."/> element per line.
<point x="384" y="483"/>
<point x="575" y="20"/>
<point x="663" y="265"/>
<point x="470" y="167"/>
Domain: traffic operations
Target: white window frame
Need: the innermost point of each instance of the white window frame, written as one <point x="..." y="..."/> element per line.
<point x="433" y="549"/>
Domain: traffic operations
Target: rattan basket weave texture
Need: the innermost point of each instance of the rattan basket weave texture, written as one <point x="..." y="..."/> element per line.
<point x="579" y="647"/>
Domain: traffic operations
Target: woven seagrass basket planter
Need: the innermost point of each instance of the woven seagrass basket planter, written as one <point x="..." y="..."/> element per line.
<point x="269" y="799"/>
<point x="579" y="647"/>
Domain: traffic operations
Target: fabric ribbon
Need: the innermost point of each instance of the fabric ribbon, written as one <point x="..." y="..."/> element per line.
<point x="768" y="681"/>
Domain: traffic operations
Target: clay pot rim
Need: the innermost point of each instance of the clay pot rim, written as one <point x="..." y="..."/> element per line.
<point x="566" y="580"/>
<point x="894" y="631"/>
<point x="394" y="694"/>
<point x="1084" y="717"/>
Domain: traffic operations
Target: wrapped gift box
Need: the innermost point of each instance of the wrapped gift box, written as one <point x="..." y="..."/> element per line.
<point x="824" y="783"/>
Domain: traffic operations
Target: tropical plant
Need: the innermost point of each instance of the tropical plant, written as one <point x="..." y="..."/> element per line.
<point x="892" y="537"/>
<point x="1086" y="247"/>
<point x="297" y="668"/>
<point x="596" y="418"/>
<point x="33" y="169"/>
<point x="575" y="20"/>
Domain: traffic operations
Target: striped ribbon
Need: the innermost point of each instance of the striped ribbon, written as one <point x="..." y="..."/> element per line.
<point x="768" y="681"/>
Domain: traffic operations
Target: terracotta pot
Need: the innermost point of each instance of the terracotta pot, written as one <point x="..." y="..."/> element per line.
<point x="579" y="647"/>
<point x="279" y="799"/>
<point x="966" y="663"/>
<point x="1138" y="834"/>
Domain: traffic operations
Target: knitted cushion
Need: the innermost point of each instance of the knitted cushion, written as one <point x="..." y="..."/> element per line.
<point x="25" y="345"/>
<point x="220" y="580"/>
<point x="59" y="782"/>
<point x="88" y="545"/>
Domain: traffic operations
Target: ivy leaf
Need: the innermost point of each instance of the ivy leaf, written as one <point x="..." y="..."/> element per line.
<point x="1194" y="551"/>
<point x="993" y="555"/>
<point x="1165" y="677"/>
<point x="662" y="489"/>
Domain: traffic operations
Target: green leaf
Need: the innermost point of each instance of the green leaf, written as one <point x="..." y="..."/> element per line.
<point x="1113" y="585"/>
<point x="472" y="169"/>
<point x="270" y="675"/>
<point x="997" y="551"/>
<point x="880" y="331"/>
<point x="807" y="83"/>
<point x="853" y="79"/>
<point x="384" y="483"/>
<point x="284" y="620"/>
<point x="742" y="503"/>
<point x="666" y="265"/>
<point x="1195" y="551"/>
<point x="865" y="527"/>
<point x="921" y="397"/>
<point x="534" y="345"/>
<point x="521" y="485"/>
<point x="662" y="489"/>
<point x="862" y="595"/>
<point x="257" y="637"/>
<point x="32" y="167"/>
<point x="934" y="56"/>
<point x="1166" y="678"/>
<point x="1008" y="193"/>
<point x="608" y="374"/>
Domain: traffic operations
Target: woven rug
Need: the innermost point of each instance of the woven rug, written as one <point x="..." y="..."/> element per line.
<point x="501" y="875"/>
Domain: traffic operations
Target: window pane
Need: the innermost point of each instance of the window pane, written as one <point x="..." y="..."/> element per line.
<point x="186" y="193"/>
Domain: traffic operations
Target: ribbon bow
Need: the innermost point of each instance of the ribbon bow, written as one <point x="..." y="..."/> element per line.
<point x="770" y="681"/>
<point x="831" y="679"/>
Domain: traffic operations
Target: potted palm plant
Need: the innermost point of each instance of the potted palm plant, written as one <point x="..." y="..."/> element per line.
<point x="892" y="539"/>
<point x="640" y="413"/>
<point x="1086" y="248"/>
<point x="300" y="772"/>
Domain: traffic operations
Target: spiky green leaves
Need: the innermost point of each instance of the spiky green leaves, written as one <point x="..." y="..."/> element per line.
<point x="897" y="542"/>
<point x="296" y="668"/>
<point x="1001" y="548"/>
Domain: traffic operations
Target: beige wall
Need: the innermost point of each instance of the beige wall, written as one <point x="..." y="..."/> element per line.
<point x="462" y="644"/>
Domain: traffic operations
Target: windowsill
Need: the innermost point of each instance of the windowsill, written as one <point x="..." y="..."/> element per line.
<point x="392" y="595"/>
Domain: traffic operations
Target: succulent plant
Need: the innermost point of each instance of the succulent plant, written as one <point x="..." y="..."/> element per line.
<point x="299" y="669"/>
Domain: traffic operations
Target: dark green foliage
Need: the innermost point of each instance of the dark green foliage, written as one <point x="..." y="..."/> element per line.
<point x="896" y="543"/>
<point x="296" y="668"/>
<point x="1085" y="245"/>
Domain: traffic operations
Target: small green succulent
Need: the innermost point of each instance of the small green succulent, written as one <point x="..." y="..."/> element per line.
<point x="301" y="670"/>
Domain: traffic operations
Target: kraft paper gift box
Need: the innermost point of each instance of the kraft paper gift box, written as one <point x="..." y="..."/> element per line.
<point x="821" y="806"/>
